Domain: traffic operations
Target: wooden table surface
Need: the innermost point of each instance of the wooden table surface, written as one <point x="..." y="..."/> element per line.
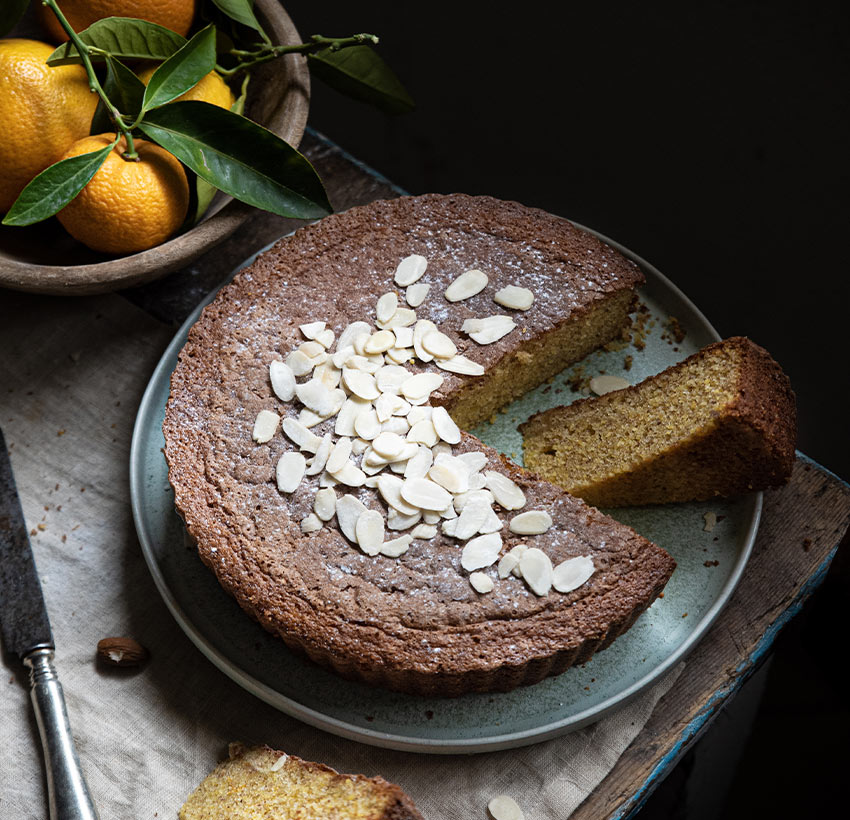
<point x="801" y="527"/>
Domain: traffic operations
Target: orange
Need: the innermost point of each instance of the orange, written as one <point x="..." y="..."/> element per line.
<point x="210" y="88"/>
<point x="174" y="14"/>
<point x="127" y="206"/>
<point x="43" y="110"/>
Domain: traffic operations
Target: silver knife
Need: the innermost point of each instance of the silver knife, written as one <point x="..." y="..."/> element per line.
<point x="26" y="632"/>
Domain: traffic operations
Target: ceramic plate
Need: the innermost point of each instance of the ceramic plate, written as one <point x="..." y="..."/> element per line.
<point x="709" y="566"/>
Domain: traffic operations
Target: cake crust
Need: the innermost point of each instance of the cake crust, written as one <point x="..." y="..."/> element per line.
<point x="411" y="623"/>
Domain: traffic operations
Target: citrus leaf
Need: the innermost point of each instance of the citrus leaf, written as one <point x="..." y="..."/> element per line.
<point x="126" y="92"/>
<point x="11" y="12"/>
<point x="241" y="11"/>
<point x="182" y="70"/>
<point x="359" y="72"/>
<point x="55" y="187"/>
<point x="239" y="157"/>
<point x="124" y="37"/>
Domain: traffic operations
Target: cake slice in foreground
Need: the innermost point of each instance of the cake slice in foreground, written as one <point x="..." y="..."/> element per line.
<point x="720" y="423"/>
<point x="259" y="783"/>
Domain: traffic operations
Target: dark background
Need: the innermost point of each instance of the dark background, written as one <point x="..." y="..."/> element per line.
<point x="711" y="139"/>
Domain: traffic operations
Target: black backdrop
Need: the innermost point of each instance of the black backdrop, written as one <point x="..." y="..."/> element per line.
<point x="710" y="138"/>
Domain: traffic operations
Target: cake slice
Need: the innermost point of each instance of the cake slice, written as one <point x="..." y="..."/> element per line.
<point x="259" y="783"/>
<point x="720" y="423"/>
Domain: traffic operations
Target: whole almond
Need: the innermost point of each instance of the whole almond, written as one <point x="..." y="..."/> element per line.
<point x="121" y="651"/>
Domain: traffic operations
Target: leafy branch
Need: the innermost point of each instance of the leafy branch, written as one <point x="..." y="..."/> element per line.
<point x="224" y="149"/>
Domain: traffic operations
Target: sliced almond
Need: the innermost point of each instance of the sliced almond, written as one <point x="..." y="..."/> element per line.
<point x="506" y="492"/>
<point x="350" y="475"/>
<point x="533" y="522"/>
<point x="481" y="552"/>
<point x="422" y="327"/>
<point x="324" y="505"/>
<point x="348" y="510"/>
<point x="403" y="336"/>
<point x="290" y="471"/>
<point x="607" y="384"/>
<point x="416" y="294"/>
<point x="371" y="363"/>
<point x="369" y="531"/>
<point x="342" y="355"/>
<point x="318" y="462"/>
<point x="391" y="377"/>
<point x="388" y="445"/>
<point x="316" y="396"/>
<point x="339" y="455"/>
<point x="312" y="329"/>
<point x="312" y="350"/>
<point x="379" y="342"/>
<point x="299" y="363"/>
<point x="389" y="486"/>
<point x="386" y="307"/>
<point x="489" y="329"/>
<point x="425" y="494"/>
<point x="310" y="523"/>
<point x="460" y="364"/>
<point x="410" y="269"/>
<point x="446" y="429"/>
<point x="514" y="297"/>
<point x="326" y="338"/>
<point x="298" y="434"/>
<point x="283" y="380"/>
<point x="416" y="414"/>
<point x="396" y="546"/>
<point x="367" y="425"/>
<point x="328" y="374"/>
<point x="350" y="333"/>
<point x="572" y="573"/>
<point x="423" y="432"/>
<point x="400" y="355"/>
<point x="462" y="499"/>
<point x="421" y="385"/>
<point x="396" y="424"/>
<point x="439" y="345"/>
<point x="308" y="418"/>
<point x="536" y="569"/>
<point x="424" y="532"/>
<point x="450" y="474"/>
<point x="360" y="384"/>
<point x="471" y="517"/>
<point x="481" y="582"/>
<point x="399" y="521"/>
<point x="419" y="464"/>
<point x="265" y="426"/>
<point x="466" y="285"/>
<point x="403" y="317"/>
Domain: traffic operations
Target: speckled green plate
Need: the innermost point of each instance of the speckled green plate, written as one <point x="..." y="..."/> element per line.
<point x="709" y="566"/>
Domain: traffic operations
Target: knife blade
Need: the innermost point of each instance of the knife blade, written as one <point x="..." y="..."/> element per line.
<point x="25" y="629"/>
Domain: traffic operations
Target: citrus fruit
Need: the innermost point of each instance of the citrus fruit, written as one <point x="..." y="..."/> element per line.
<point x="174" y="14"/>
<point x="43" y="110"/>
<point x="127" y="206"/>
<point x="210" y="89"/>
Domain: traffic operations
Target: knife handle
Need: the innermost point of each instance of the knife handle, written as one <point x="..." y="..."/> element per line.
<point x="67" y="792"/>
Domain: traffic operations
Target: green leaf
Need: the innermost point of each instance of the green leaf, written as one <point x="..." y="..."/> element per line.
<point x="241" y="11"/>
<point x="123" y="37"/>
<point x="55" y="187"/>
<point x="359" y="72"/>
<point x="11" y="12"/>
<point x="182" y="70"/>
<point x="126" y="92"/>
<point x="239" y="157"/>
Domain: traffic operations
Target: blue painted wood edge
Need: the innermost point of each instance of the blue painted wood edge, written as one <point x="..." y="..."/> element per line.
<point x="743" y="671"/>
<point x="366" y="169"/>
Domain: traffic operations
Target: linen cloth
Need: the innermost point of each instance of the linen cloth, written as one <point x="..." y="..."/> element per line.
<point x="72" y="373"/>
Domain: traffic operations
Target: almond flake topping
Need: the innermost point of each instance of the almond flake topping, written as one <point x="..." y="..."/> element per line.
<point x="397" y="546"/>
<point x="310" y="523"/>
<point x="533" y="522"/>
<point x="283" y="380"/>
<point x="425" y="532"/>
<point x="425" y="494"/>
<point x="339" y="455"/>
<point x="324" y="505"/>
<point x="446" y="429"/>
<point x="360" y="383"/>
<point x="410" y="269"/>
<point x="403" y="317"/>
<point x="514" y="297"/>
<point x="439" y="345"/>
<point x="318" y="462"/>
<point x="386" y="307"/>
<point x="369" y="531"/>
<point x="289" y="472"/>
<point x="607" y="384"/>
<point x="265" y="426"/>
<point x="466" y="285"/>
<point x="481" y="552"/>
<point x="416" y="294"/>
<point x="481" y="583"/>
<point x="572" y="573"/>
<point x="536" y="569"/>
<point x="348" y="510"/>
<point x="460" y="364"/>
<point x="312" y="329"/>
<point x="488" y="330"/>
<point x="505" y="491"/>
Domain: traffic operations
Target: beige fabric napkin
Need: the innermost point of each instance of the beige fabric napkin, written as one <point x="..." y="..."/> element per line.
<point x="72" y="372"/>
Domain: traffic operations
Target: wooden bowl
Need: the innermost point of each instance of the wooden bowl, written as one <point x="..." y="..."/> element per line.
<point x="44" y="258"/>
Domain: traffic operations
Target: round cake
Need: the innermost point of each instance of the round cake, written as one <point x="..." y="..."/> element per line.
<point x="314" y="437"/>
